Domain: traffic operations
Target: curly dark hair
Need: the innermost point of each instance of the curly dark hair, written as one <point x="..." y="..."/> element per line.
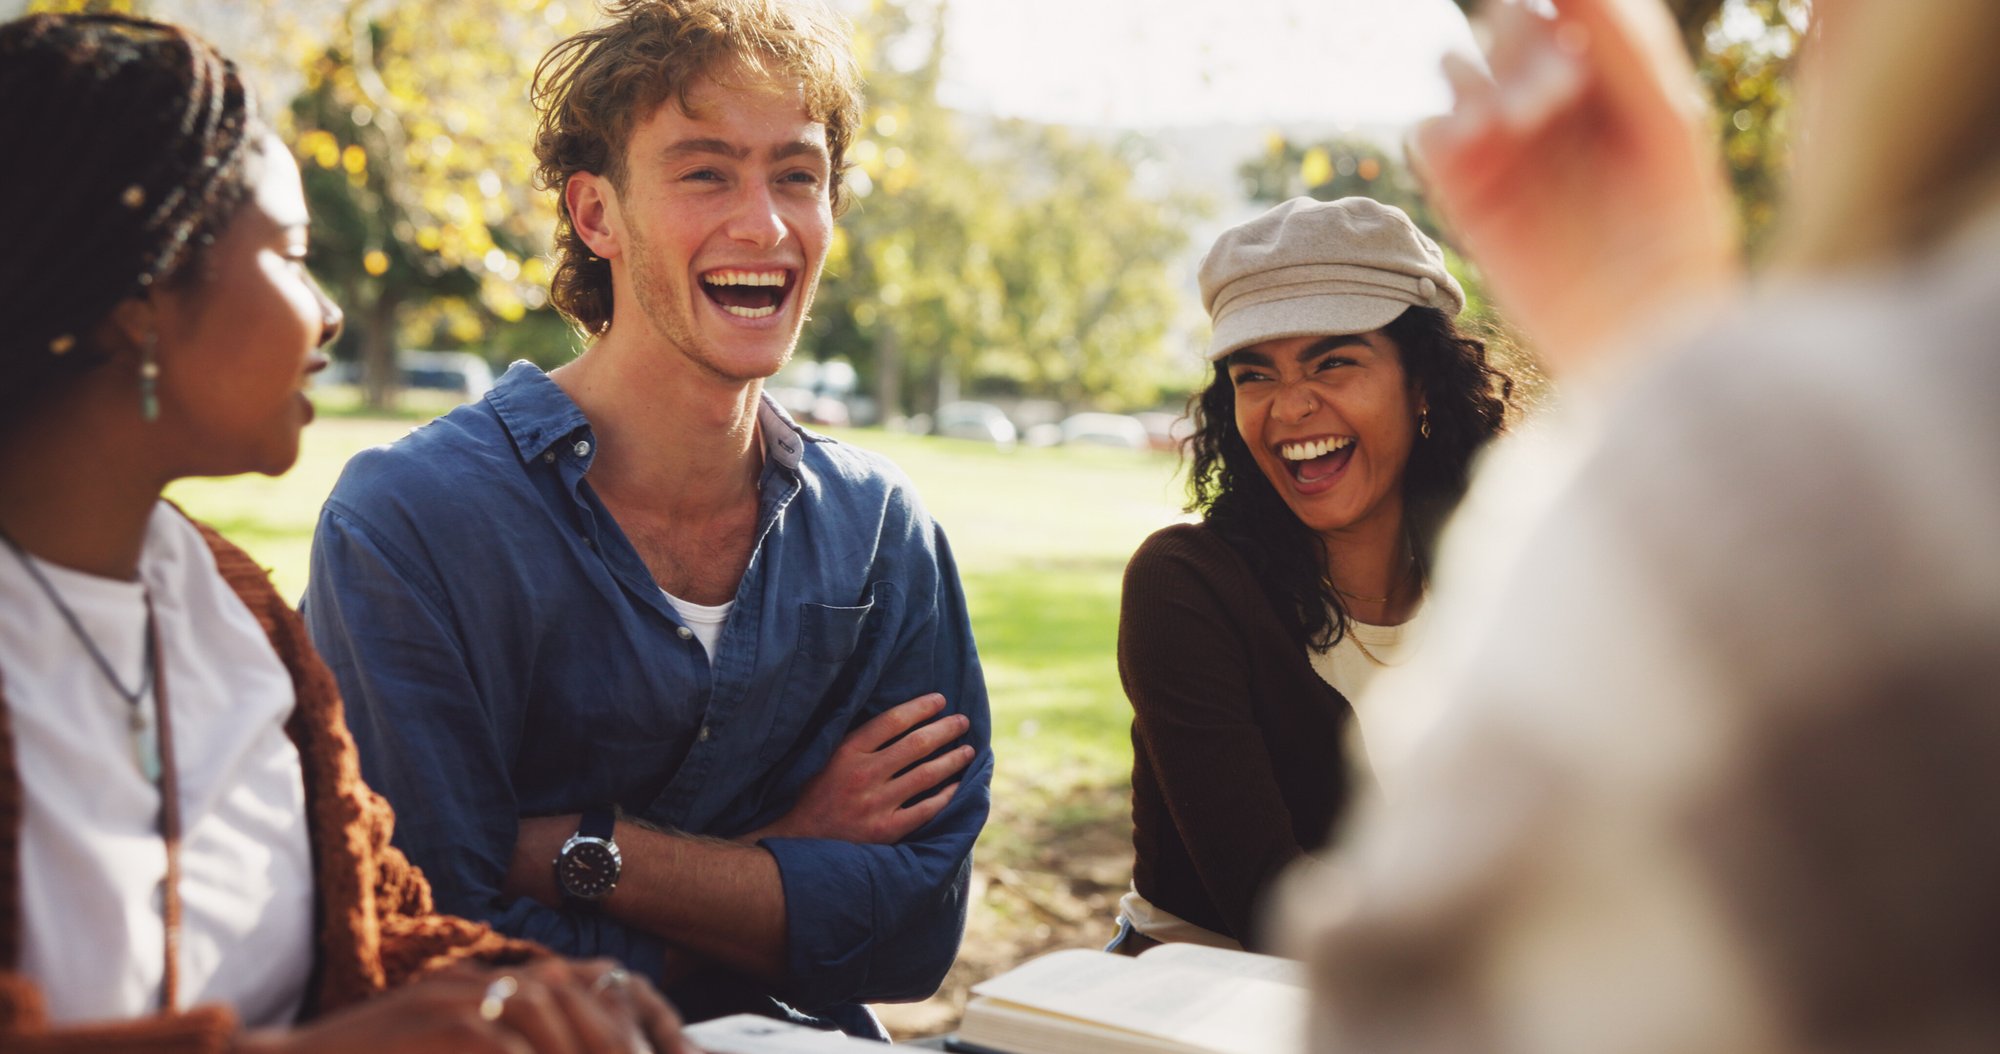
<point x="1467" y="398"/>
<point x="131" y="138"/>
<point x="595" y="87"/>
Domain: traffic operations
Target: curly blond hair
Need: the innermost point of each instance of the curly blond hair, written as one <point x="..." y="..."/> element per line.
<point x="594" y="88"/>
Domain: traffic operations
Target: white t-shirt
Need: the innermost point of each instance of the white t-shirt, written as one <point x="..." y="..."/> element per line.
<point x="703" y="620"/>
<point x="92" y="860"/>
<point x="1348" y="669"/>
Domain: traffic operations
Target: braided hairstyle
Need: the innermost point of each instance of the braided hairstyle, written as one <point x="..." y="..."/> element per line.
<point x="1467" y="400"/>
<point x="138" y="133"/>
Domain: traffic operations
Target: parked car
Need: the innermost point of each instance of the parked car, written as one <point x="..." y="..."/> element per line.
<point x="980" y="421"/>
<point x="1098" y="429"/>
<point x="815" y="392"/>
<point x="1166" y="430"/>
<point x="460" y="372"/>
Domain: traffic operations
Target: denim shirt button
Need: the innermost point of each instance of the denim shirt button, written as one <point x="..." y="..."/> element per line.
<point x="703" y="734"/>
<point x="582" y="448"/>
<point x="548" y="457"/>
<point x="688" y="634"/>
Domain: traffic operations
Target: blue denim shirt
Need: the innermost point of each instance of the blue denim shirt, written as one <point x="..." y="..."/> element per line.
<point x="504" y="652"/>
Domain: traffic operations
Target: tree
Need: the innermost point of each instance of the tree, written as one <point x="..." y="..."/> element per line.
<point x="908" y="295"/>
<point x="1088" y="270"/>
<point x="1746" y="60"/>
<point x="974" y="253"/>
<point x="413" y="130"/>
<point x="1346" y="167"/>
<point x="1002" y="252"/>
<point x="1335" y="168"/>
<point x="412" y="127"/>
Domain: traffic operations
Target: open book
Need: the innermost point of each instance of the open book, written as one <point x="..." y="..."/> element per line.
<point x="751" y="1034"/>
<point x="1173" y="999"/>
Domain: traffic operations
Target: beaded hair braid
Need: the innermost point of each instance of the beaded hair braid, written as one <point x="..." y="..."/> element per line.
<point x="131" y="138"/>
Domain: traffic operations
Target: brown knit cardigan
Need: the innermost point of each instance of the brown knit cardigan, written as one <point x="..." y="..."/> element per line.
<point x="373" y="916"/>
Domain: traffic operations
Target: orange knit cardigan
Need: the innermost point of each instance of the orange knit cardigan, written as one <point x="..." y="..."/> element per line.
<point x="374" y="922"/>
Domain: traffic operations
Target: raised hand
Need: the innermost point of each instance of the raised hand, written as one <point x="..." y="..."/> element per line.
<point x="859" y="796"/>
<point x="1584" y="175"/>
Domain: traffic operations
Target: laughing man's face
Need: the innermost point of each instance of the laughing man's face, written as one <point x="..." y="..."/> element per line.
<point x="723" y="222"/>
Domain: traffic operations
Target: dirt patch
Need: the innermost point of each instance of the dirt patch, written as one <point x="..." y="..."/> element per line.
<point x="1048" y="874"/>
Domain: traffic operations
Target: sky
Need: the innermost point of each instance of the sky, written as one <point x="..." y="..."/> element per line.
<point x="1153" y="63"/>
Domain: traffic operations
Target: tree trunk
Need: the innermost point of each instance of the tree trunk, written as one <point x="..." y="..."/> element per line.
<point x="381" y="378"/>
<point x="889" y="378"/>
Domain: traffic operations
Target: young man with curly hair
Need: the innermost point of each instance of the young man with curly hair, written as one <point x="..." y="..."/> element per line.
<point x="647" y="669"/>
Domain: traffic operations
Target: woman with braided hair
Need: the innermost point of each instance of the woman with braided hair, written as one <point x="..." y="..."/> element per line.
<point x="188" y="858"/>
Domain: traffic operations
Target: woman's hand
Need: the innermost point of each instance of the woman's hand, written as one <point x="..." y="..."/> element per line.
<point x="1583" y="175"/>
<point x="858" y="797"/>
<point x="550" y="1006"/>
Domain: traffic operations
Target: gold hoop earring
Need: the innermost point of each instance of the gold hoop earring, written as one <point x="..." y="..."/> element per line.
<point x="149" y="379"/>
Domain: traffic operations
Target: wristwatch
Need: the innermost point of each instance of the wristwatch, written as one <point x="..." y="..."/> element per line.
<point x="588" y="864"/>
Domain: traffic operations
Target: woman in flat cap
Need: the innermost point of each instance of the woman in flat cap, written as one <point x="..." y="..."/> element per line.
<point x="1332" y="440"/>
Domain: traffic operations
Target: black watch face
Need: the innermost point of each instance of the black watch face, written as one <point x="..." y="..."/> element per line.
<point x="588" y="869"/>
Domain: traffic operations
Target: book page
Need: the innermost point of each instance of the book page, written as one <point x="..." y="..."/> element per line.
<point x="752" y="1034"/>
<point x="1198" y="1007"/>
<point x="1222" y="960"/>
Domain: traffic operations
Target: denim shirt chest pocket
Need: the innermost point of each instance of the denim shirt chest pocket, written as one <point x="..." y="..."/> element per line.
<point x="823" y="678"/>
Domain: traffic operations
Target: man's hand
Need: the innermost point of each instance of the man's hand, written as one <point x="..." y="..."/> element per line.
<point x="859" y="796"/>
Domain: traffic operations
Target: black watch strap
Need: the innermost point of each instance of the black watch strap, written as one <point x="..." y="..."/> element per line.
<point x="598" y="822"/>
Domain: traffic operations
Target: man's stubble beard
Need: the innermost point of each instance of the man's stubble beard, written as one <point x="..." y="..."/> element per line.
<point x="673" y="319"/>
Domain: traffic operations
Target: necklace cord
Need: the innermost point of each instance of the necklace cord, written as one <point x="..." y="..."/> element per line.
<point x="146" y="677"/>
<point x="170" y="818"/>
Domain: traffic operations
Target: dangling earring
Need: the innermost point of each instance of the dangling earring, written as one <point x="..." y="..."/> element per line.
<point x="149" y="380"/>
<point x="1424" y="422"/>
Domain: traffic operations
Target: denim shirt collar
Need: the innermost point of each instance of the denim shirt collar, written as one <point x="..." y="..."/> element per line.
<point x="539" y="416"/>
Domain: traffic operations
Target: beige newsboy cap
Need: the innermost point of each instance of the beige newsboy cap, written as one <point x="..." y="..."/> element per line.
<point x="1310" y="268"/>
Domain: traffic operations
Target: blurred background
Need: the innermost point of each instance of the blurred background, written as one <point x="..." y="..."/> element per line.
<point x="1009" y="308"/>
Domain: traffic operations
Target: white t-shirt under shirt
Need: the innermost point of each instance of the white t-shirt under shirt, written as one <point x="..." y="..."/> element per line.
<point x="1348" y="668"/>
<point x="92" y="860"/>
<point x="703" y="620"/>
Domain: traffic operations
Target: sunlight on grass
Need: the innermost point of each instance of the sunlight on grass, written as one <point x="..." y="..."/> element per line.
<point x="273" y="518"/>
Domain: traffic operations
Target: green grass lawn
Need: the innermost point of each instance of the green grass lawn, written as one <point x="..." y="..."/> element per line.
<point x="1041" y="538"/>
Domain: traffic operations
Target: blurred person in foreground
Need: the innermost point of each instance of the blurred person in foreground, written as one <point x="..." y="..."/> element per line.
<point x="1717" y="761"/>
<point x="1335" y="435"/>
<point x="189" y="860"/>
<point x="647" y="669"/>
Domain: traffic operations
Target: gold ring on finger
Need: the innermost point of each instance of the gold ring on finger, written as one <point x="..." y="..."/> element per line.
<point x="494" y="1002"/>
